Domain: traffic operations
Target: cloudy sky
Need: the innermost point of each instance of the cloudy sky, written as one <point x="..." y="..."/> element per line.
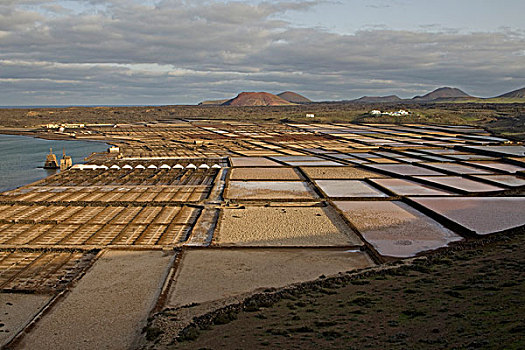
<point x="94" y="52"/>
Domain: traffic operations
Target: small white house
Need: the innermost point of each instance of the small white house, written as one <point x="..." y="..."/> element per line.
<point x="375" y="112"/>
<point x="310" y="115"/>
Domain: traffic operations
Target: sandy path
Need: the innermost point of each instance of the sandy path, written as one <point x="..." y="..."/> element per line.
<point x="16" y="310"/>
<point x="108" y="307"/>
<point x="227" y="273"/>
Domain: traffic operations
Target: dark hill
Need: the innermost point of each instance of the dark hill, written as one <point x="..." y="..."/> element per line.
<point x="256" y="99"/>
<point x="293" y="97"/>
<point x="443" y="93"/>
<point x="377" y="99"/>
<point x="520" y="93"/>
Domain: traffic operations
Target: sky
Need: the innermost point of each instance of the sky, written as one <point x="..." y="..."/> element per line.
<point x="128" y="52"/>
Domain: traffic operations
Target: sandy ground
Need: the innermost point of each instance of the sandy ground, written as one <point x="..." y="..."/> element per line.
<point x="339" y="173"/>
<point x="264" y="174"/>
<point x="284" y="226"/>
<point x="253" y="161"/>
<point x="16" y="311"/>
<point x="108" y="307"/>
<point x="226" y="273"/>
<point x="395" y="229"/>
<point x="269" y="190"/>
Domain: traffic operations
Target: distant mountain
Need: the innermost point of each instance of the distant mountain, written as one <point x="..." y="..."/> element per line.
<point x="443" y="93"/>
<point x="378" y="99"/>
<point x="520" y="93"/>
<point x="293" y="97"/>
<point x="212" y="102"/>
<point x="256" y="99"/>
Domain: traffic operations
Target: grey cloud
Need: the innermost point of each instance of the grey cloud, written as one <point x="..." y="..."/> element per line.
<point x="209" y="49"/>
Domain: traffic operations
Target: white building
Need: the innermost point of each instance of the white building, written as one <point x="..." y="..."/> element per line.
<point x="401" y="112"/>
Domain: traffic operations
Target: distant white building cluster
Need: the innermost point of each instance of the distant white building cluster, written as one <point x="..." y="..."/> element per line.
<point x="399" y="113"/>
<point x="65" y="126"/>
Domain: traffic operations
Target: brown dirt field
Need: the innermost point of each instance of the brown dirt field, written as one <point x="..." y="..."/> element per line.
<point x="339" y="173"/>
<point x="264" y="174"/>
<point x="284" y="226"/>
<point x="245" y="190"/>
<point x="253" y="162"/>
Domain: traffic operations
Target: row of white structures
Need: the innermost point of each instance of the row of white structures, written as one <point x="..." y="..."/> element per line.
<point x="140" y="166"/>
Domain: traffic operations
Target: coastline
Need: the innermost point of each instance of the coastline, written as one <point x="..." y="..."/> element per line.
<point x="22" y="159"/>
<point x="47" y="136"/>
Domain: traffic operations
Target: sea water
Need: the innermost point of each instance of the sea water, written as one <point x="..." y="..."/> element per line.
<point x="22" y="157"/>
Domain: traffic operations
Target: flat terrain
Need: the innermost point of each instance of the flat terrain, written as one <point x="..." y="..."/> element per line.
<point x="269" y="190"/>
<point x="264" y="174"/>
<point x="395" y="229"/>
<point x="472" y="298"/>
<point x="120" y="289"/>
<point x="284" y="226"/>
<point x="229" y="273"/>
<point x="16" y="311"/>
<point x="339" y="173"/>
<point x="186" y="218"/>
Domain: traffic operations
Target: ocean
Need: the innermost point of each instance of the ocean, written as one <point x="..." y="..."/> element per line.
<point x="22" y="157"/>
